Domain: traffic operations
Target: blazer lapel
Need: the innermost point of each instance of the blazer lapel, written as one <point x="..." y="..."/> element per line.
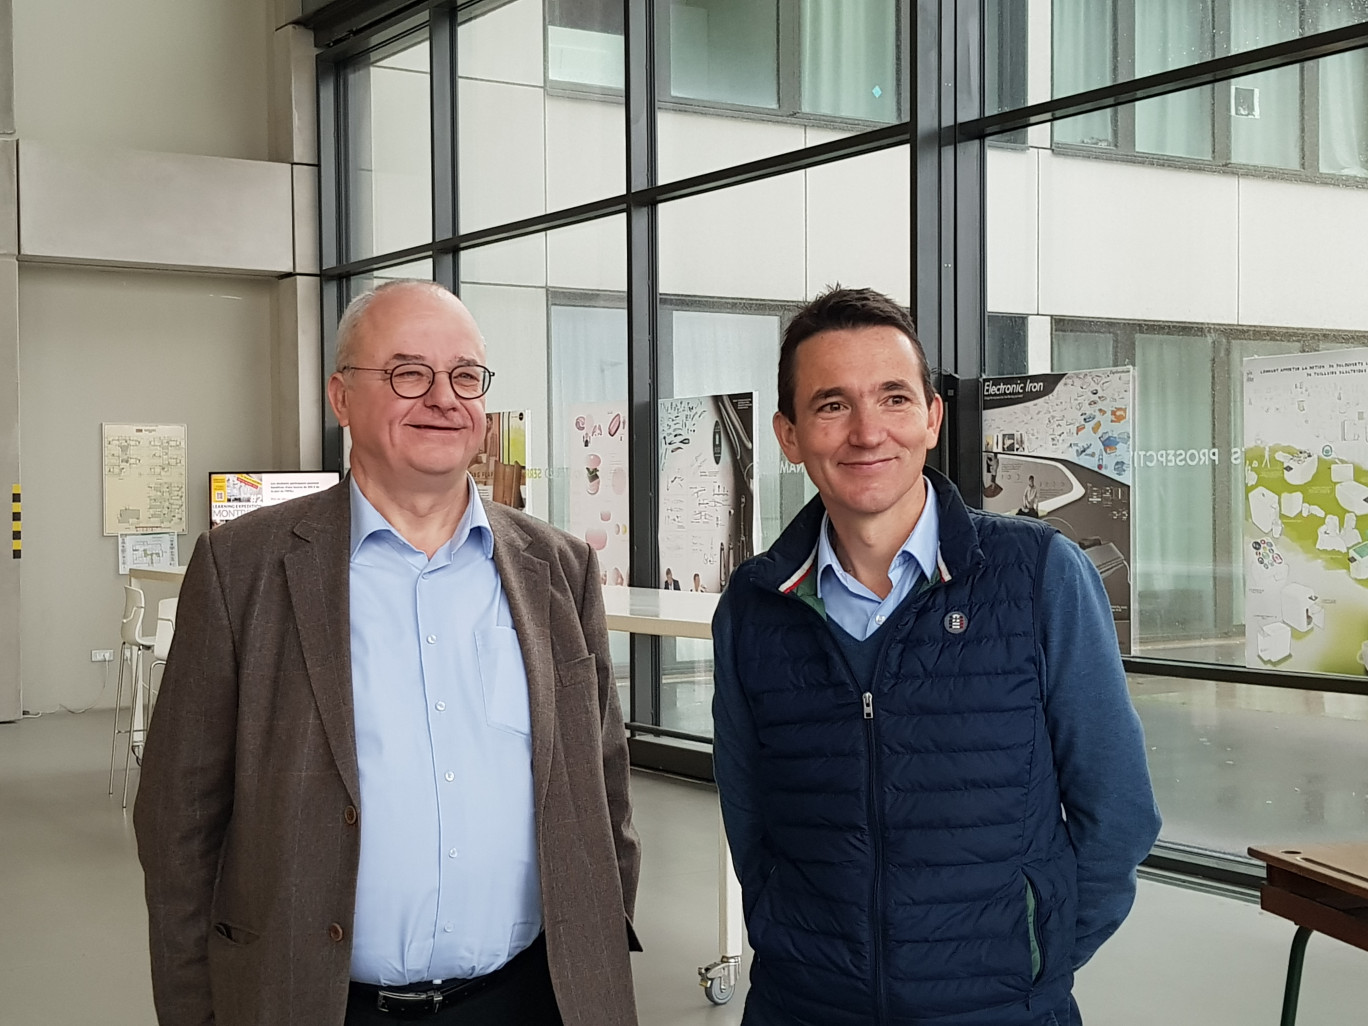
<point x="318" y="576"/>
<point x="526" y="581"/>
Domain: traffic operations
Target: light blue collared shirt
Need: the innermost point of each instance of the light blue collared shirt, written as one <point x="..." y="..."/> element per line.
<point x="448" y="886"/>
<point x="854" y="607"/>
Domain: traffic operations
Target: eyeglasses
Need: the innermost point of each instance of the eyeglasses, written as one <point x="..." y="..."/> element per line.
<point x="414" y="380"/>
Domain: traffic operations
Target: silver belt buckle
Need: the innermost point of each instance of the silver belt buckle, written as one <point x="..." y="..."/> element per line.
<point x="424" y="1003"/>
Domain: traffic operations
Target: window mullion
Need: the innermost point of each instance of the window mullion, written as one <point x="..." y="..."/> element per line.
<point x="789" y="39"/>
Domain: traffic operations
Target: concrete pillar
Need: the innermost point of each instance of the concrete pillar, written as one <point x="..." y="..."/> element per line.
<point x="11" y="701"/>
<point x="297" y="376"/>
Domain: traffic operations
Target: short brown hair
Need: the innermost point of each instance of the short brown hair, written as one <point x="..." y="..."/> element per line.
<point x="839" y="309"/>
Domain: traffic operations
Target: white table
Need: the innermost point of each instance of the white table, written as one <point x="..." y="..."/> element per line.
<point x="688" y="614"/>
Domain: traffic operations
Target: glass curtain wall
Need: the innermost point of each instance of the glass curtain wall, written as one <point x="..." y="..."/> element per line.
<point x="635" y="232"/>
<point x="602" y="295"/>
<point x="1182" y="275"/>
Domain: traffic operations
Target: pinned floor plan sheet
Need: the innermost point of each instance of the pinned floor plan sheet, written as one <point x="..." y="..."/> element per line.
<point x="144" y="478"/>
<point x="1306" y="491"/>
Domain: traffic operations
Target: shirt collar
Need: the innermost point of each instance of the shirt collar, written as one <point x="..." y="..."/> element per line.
<point x="922" y="545"/>
<point x="366" y="521"/>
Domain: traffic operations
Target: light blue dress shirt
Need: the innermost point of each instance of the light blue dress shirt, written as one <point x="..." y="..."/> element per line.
<point x="449" y="886"/>
<point x="854" y="607"/>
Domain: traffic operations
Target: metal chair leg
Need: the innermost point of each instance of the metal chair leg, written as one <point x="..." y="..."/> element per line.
<point x="118" y="701"/>
<point x="1295" y="961"/>
<point x="132" y="712"/>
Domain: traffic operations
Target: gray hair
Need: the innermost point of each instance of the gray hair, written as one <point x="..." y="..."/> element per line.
<point x="348" y="328"/>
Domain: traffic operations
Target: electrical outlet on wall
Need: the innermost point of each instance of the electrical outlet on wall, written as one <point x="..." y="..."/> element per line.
<point x="101" y="655"/>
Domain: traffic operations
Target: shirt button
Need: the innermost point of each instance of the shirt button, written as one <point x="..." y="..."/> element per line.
<point x="448" y="928"/>
<point x="450" y="776"/>
<point x="451" y="854"/>
<point x="335" y="932"/>
<point x="879" y="619"/>
<point x="441" y="707"/>
<point x="432" y="639"/>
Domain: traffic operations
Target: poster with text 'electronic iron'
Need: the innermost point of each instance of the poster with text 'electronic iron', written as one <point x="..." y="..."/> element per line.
<point x="1059" y="447"/>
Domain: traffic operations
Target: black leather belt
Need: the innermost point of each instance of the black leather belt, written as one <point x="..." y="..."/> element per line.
<point x="419" y="1000"/>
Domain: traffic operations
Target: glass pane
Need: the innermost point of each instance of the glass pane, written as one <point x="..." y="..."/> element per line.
<point x="526" y="149"/>
<point x="1007" y="347"/>
<point x="1265" y="110"/>
<point x="1173" y="34"/>
<point x="387" y="99"/>
<point x="420" y="269"/>
<point x="1344" y="99"/>
<point x="584" y="42"/>
<point x="1084" y="58"/>
<point x="1235" y="764"/>
<point x="734" y="266"/>
<point x="724" y="51"/>
<point x="850" y="59"/>
<point x="551" y="308"/>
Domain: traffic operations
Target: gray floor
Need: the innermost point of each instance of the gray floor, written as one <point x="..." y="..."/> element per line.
<point x="73" y="939"/>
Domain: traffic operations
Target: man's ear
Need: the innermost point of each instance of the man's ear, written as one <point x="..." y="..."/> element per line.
<point x="787" y="434"/>
<point x="337" y="398"/>
<point x="935" y="416"/>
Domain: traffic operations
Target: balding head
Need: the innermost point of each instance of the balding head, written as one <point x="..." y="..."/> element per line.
<point x="352" y="325"/>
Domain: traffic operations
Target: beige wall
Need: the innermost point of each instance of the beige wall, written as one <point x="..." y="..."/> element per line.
<point x="121" y="346"/>
<point x="177" y="76"/>
<point x="177" y="137"/>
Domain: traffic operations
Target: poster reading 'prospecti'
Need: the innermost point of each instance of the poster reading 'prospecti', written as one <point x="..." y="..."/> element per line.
<point x="1058" y="447"/>
<point x="1306" y="511"/>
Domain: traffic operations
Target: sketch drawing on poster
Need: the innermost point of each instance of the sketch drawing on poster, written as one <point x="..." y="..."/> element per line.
<point x="1306" y="511"/>
<point x="709" y="518"/>
<point x="597" y="504"/>
<point x="1059" y="447"/>
<point x="500" y="467"/>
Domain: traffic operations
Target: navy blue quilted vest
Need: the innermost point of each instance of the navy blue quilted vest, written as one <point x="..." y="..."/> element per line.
<point x="918" y="870"/>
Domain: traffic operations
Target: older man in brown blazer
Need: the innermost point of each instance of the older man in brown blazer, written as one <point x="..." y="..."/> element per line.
<point x="289" y="724"/>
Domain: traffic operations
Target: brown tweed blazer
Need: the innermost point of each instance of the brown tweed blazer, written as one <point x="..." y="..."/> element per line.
<point x="247" y="811"/>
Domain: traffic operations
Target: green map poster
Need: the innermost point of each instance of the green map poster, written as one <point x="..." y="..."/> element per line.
<point x="1306" y="511"/>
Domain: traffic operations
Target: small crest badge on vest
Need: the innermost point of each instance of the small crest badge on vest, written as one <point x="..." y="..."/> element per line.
<point x="956" y="622"/>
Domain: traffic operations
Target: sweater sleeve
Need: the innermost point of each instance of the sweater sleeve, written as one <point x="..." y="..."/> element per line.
<point x="1099" y="747"/>
<point x="736" y="750"/>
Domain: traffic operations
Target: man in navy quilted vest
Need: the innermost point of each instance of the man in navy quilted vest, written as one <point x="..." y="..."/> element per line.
<point x="932" y="776"/>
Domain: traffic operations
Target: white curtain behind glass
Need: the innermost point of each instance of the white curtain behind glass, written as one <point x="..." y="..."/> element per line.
<point x="849" y="58"/>
<point x="1083" y="59"/>
<point x="588" y="365"/>
<point x="1173" y="34"/>
<point x="1344" y="97"/>
<point x="1273" y="139"/>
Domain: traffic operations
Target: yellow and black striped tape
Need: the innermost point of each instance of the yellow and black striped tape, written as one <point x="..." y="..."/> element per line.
<point x="17" y="515"/>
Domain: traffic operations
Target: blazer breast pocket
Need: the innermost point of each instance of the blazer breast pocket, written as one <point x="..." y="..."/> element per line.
<point x="503" y="680"/>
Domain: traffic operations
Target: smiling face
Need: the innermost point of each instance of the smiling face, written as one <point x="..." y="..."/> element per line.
<point x="407" y="445"/>
<point x="862" y="424"/>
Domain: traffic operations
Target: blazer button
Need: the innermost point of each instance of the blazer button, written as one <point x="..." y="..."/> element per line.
<point x="335" y="932"/>
<point x="350" y="815"/>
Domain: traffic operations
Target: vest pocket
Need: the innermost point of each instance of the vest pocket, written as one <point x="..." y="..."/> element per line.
<point x="1032" y="932"/>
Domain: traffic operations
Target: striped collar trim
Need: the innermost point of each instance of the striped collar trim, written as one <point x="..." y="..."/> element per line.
<point x="940" y="565"/>
<point x="801" y="574"/>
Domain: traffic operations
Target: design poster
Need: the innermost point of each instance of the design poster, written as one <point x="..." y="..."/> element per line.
<point x="598" y="501"/>
<point x="232" y="495"/>
<point x="1305" y="511"/>
<point x="500" y="467"/>
<point x="1058" y="447"/>
<point x="709" y="519"/>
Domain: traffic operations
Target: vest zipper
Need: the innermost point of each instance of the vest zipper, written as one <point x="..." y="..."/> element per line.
<point x="876" y="832"/>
